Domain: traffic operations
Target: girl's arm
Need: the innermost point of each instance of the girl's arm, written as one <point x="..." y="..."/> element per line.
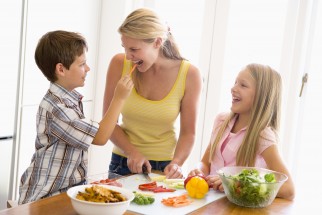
<point x="203" y="166"/>
<point x="275" y="163"/>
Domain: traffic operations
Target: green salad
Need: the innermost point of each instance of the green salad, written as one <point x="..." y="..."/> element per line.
<point x="248" y="188"/>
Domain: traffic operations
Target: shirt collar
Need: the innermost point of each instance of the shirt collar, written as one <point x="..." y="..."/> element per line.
<point x="232" y="123"/>
<point x="63" y="93"/>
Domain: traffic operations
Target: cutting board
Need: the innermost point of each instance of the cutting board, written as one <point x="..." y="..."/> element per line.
<point x="132" y="182"/>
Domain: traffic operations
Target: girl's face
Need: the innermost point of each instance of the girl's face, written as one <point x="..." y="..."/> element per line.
<point x="140" y="52"/>
<point x="243" y="93"/>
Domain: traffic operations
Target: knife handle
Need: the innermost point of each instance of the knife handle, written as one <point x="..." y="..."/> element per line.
<point x="144" y="169"/>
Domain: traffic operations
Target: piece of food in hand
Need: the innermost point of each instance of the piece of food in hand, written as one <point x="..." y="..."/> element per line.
<point x="142" y="198"/>
<point x="196" y="186"/>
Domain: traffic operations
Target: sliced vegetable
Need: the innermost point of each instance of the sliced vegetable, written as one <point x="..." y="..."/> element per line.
<point x="142" y="199"/>
<point x="154" y="188"/>
<point x="177" y="201"/>
<point x="159" y="178"/>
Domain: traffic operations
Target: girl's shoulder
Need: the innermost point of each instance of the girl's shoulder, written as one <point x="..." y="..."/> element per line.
<point x="269" y="134"/>
<point x="220" y="118"/>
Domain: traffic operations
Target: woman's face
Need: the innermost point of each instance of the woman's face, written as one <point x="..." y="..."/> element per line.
<point x="141" y="52"/>
<point x="243" y="93"/>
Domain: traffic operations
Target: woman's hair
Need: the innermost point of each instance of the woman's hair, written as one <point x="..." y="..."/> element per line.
<point x="145" y="24"/>
<point x="264" y="113"/>
<point x="58" y="47"/>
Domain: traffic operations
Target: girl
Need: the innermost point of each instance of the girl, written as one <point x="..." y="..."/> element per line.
<point x="248" y="135"/>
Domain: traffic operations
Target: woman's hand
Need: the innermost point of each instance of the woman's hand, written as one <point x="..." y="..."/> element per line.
<point x="135" y="162"/>
<point x="173" y="170"/>
<point x="214" y="181"/>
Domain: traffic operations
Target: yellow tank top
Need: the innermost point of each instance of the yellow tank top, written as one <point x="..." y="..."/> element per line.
<point x="149" y="124"/>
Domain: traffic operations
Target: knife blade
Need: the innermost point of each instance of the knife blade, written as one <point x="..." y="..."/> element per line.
<point x="146" y="173"/>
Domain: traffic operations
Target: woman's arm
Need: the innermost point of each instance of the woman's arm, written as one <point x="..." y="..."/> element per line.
<point x="275" y="163"/>
<point x="114" y="73"/>
<point x="188" y="121"/>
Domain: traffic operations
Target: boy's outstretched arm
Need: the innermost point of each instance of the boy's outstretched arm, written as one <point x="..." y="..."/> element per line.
<point x="122" y="91"/>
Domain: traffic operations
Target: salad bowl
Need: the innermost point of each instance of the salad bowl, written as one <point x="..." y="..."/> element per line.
<point x="251" y="186"/>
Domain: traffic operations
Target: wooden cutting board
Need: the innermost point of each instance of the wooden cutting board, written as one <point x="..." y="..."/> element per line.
<point x="132" y="182"/>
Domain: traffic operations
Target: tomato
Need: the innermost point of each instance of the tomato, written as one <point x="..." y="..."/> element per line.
<point x="196" y="186"/>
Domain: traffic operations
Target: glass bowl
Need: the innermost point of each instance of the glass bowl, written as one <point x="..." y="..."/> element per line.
<point x="247" y="187"/>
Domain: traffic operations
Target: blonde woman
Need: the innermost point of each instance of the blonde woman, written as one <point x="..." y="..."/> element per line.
<point x="247" y="136"/>
<point x="165" y="86"/>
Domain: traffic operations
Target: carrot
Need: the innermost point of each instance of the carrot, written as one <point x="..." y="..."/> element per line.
<point x="133" y="68"/>
<point x="177" y="201"/>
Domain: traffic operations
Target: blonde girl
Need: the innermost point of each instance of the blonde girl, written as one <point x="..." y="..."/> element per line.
<point x="248" y="135"/>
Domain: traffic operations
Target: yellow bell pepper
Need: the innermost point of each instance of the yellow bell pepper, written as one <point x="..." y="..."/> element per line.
<point x="197" y="187"/>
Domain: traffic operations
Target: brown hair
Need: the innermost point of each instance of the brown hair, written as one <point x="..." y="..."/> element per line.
<point x="58" y="47"/>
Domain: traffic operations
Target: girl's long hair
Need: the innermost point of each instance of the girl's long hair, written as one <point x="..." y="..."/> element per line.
<point x="265" y="113"/>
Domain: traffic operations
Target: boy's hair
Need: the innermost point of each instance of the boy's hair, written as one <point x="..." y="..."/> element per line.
<point x="58" y="47"/>
<point x="265" y="113"/>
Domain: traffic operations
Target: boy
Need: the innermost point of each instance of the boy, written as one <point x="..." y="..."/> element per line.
<point x="63" y="133"/>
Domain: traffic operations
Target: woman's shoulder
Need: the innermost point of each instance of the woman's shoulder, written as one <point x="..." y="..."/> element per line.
<point x="193" y="77"/>
<point x="118" y="58"/>
<point x="192" y="70"/>
<point x="116" y="65"/>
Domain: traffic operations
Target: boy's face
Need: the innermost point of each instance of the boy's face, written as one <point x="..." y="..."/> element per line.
<point x="74" y="76"/>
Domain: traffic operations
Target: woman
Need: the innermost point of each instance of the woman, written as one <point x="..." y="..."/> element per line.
<point x="165" y="86"/>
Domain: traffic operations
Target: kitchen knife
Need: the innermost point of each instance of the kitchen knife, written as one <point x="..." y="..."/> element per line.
<point x="146" y="173"/>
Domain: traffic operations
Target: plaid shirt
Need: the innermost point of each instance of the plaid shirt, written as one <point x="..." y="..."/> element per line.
<point x="63" y="138"/>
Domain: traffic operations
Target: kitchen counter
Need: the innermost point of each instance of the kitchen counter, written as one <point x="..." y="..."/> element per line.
<point x="61" y="205"/>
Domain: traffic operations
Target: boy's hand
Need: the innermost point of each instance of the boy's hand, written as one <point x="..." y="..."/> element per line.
<point x="123" y="87"/>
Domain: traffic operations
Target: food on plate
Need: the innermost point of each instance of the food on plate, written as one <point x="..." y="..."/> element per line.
<point x="159" y="178"/>
<point x="107" y="181"/>
<point x="98" y="193"/>
<point x="177" y="183"/>
<point x="177" y="201"/>
<point x="196" y="186"/>
<point x="142" y="198"/>
<point x="249" y="188"/>
<point x="152" y="186"/>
